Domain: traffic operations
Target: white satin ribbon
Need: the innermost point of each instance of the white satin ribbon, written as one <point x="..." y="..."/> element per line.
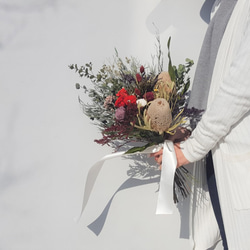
<point x="165" y="203"/>
<point x="165" y="199"/>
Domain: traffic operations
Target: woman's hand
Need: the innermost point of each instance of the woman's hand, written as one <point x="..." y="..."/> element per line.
<point x="158" y="157"/>
<point x="181" y="159"/>
<point x="181" y="134"/>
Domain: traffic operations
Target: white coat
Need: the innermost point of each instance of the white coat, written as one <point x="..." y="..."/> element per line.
<point x="225" y="129"/>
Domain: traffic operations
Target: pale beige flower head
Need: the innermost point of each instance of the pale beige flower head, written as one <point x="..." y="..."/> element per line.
<point x="159" y="115"/>
<point x="164" y="86"/>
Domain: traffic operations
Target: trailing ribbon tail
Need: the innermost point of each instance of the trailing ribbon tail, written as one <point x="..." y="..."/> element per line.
<point x="165" y="202"/>
<point x="92" y="176"/>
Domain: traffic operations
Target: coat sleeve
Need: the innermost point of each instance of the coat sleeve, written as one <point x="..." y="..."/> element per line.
<point x="228" y="106"/>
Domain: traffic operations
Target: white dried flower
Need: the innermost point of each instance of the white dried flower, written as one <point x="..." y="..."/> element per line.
<point x="141" y="102"/>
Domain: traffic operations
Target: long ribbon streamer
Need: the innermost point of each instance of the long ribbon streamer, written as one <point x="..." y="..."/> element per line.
<point x="165" y="202"/>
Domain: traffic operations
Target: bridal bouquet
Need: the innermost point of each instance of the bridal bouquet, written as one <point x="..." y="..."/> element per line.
<point x="132" y="102"/>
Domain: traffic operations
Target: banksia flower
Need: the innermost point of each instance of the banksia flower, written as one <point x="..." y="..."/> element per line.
<point x="159" y="114"/>
<point x="164" y="86"/>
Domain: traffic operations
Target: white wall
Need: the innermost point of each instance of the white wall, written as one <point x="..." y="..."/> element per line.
<point x="46" y="143"/>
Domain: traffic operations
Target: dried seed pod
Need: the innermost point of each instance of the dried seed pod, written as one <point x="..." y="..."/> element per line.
<point x="159" y="114"/>
<point x="164" y="85"/>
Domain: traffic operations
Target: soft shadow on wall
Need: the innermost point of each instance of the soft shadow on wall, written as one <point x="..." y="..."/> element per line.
<point x="158" y="19"/>
<point x="142" y="171"/>
<point x="173" y="14"/>
<point x="175" y="18"/>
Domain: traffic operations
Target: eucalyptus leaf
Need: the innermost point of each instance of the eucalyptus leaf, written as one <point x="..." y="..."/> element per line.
<point x="140" y="149"/>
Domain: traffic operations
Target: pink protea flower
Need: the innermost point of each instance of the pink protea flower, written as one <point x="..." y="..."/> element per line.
<point x="120" y="113"/>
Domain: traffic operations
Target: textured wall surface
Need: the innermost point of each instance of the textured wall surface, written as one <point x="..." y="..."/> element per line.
<point x="47" y="144"/>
